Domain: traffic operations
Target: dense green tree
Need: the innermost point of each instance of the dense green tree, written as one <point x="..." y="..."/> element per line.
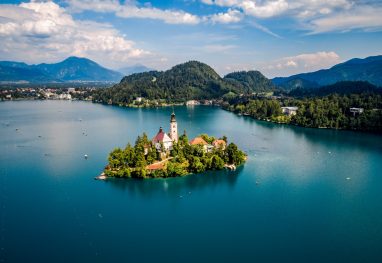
<point x="217" y="163"/>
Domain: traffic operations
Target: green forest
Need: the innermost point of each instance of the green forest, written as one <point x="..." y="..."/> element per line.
<point x="183" y="159"/>
<point x="331" y="111"/>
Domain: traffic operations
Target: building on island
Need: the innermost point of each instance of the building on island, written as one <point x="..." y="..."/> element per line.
<point x="173" y="128"/>
<point x="219" y="144"/>
<point x="200" y="141"/>
<point x="165" y="139"/>
<point x="162" y="139"/>
<point x="290" y="111"/>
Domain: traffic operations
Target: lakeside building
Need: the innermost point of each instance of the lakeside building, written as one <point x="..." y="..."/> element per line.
<point x="356" y="111"/>
<point x="290" y="111"/>
<point x="192" y="103"/>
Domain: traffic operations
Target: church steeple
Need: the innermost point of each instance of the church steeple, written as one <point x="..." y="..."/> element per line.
<point x="173" y="127"/>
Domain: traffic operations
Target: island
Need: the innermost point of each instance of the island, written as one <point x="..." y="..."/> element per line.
<point x="170" y="155"/>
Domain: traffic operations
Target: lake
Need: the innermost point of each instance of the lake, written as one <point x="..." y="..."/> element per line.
<point x="304" y="195"/>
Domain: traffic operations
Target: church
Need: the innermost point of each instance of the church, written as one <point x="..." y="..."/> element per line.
<point x="165" y="139"/>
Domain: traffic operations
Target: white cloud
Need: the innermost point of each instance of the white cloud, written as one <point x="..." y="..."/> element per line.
<point x="366" y="18"/>
<point x="131" y="10"/>
<point x="221" y="2"/>
<point x="300" y="63"/>
<point x="44" y="31"/>
<point x="168" y="16"/>
<point x="231" y="16"/>
<point x="314" y="16"/>
<point x="271" y="8"/>
<point x="103" y="6"/>
<point x="267" y="9"/>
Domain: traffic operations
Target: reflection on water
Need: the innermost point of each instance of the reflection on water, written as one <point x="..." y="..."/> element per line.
<point x="351" y="139"/>
<point x="176" y="186"/>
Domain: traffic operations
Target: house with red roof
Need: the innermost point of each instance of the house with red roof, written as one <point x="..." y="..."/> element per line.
<point x="162" y="139"/>
<point x="200" y="141"/>
<point x="219" y="144"/>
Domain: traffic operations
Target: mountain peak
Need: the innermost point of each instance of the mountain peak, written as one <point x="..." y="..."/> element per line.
<point x="71" y="69"/>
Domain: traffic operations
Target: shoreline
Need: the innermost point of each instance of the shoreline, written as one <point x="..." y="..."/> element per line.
<point x="103" y="176"/>
<point x="184" y="104"/>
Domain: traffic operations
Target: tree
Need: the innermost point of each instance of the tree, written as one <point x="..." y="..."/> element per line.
<point x="217" y="163"/>
<point x="196" y="165"/>
<point x="235" y="156"/>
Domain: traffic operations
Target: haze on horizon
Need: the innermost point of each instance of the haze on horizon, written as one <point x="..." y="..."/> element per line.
<point x="277" y="37"/>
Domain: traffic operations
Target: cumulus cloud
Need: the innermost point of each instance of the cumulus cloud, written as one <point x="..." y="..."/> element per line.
<point x="301" y="63"/>
<point x="267" y="9"/>
<point x="367" y="18"/>
<point x="44" y="31"/>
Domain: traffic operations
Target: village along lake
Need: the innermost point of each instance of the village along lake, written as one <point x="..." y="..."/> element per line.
<point x="304" y="195"/>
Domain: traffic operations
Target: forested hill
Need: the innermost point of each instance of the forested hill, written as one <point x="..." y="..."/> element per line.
<point x="250" y="81"/>
<point x="190" y="80"/>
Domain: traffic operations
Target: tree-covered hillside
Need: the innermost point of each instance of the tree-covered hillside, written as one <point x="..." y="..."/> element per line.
<point x="187" y="81"/>
<point x="250" y="81"/>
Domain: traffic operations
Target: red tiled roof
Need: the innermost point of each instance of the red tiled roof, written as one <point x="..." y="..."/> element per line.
<point x="155" y="166"/>
<point x="198" y="140"/>
<point x="159" y="137"/>
<point x="217" y="143"/>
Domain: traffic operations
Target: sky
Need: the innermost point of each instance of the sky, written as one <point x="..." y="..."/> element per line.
<point x="276" y="37"/>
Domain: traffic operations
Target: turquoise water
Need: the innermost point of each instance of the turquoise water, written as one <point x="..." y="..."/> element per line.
<point x="291" y="202"/>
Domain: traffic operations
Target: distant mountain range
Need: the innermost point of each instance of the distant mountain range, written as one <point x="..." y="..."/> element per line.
<point x="368" y="69"/>
<point x="188" y="80"/>
<point x="72" y="69"/>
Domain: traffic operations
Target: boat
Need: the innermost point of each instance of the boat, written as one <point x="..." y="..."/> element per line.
<point x="102" y="176"/>
<point x="85" y="156"/>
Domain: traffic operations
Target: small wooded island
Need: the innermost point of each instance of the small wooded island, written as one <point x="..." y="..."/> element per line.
<point x="168" y="155"/>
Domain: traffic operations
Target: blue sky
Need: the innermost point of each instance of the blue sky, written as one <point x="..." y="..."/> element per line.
<point x="277" y="37"/>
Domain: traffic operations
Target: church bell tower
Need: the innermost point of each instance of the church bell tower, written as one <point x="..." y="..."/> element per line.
<point x="173" y="128"/>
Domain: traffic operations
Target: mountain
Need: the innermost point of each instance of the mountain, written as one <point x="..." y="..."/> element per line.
<point x="250" y="81"/>
<point x="15" y="72"/>
<point x="72" y="69"/>
<point x="137" y="68"/>
<point x="368" y="69"/>
<point x="187" y="81"/>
